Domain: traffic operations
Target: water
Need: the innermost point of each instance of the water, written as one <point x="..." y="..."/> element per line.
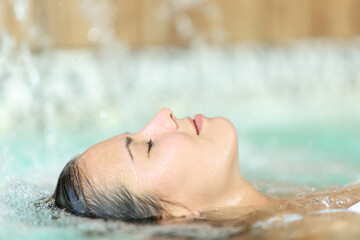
<point x="25" y="212"/>
<point x="295" y="107"/>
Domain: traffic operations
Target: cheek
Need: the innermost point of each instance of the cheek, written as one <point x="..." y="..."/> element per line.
<point x="170" y="169"/>
<point x="224" y="146"/>
<point x="165" y="178"/>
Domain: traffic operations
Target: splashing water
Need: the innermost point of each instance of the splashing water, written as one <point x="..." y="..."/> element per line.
<point x="281" y="129"/>
<point x="295" y="108"/>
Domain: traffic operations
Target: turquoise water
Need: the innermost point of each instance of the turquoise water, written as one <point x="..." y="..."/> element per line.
<point x="295" y="108"/>
<point x="280" y="161"/>
<point x="319" y="155"/>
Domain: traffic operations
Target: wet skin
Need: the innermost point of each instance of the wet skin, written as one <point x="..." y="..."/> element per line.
<point x="194" y="163"/>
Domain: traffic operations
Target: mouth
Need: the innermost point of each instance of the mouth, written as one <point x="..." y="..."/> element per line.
<point x="197" y="130"/>
<point x="198" y="122"/>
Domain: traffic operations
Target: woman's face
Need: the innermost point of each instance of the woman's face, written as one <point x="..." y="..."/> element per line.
<point x="189" y="161"/>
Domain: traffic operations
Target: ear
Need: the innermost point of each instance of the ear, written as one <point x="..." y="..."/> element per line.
<point x="179" y="210"/>
<point x="197" y="214"/>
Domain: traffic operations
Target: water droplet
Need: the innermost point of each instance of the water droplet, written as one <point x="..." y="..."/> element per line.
<point x="136" y="176"/>
<point x="103" y="114"/>
<point x="94" y="34"/>
<point x="20" y="9"/>
<point x="325" y="201"/>
<point x="5" y="150"/>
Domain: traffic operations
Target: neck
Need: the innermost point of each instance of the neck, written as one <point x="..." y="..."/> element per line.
<point x="249" y="196"/>
<point x="242" y="199"/>
<point x="242" y="194"/>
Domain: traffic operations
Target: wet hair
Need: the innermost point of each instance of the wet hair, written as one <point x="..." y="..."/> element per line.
<point x="115" y="203"/>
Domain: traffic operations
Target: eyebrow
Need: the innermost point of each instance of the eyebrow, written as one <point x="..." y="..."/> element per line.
<point x="127" y="144"/>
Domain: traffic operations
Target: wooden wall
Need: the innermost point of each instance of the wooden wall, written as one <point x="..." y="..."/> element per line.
<point x="66" y="23"/>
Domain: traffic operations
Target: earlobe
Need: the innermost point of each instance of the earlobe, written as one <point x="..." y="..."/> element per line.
<point x="179" y="210"/>
<point x="197" y="215"/>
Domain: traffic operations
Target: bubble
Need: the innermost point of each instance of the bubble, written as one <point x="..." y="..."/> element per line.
<point x="20" y="9"/>
<point x="94" y="34"/>
<point x="278" y="221"/>
<point x="5" y="150"/>
<point x="103" y="114"/>
<point x="325" y="201"/>
<point x="50" y="140"/>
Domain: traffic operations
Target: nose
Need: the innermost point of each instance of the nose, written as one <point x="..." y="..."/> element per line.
<point x="164" y="121"/>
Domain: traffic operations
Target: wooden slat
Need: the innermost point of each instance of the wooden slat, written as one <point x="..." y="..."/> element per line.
<point x="153" y="26"/>
<point x="127" y="20"/>
<point x="288" y="19"/>
<point x="64" y="23"/>
<point x="339" y="14"/>
<point x="243" y="20"/>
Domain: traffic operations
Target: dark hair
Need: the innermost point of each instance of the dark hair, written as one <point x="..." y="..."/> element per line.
<point x="117" y="203"/>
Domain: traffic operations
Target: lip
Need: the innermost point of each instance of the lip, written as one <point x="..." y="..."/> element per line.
<point x="198" y="120"/>
<point x="193" y="123"/>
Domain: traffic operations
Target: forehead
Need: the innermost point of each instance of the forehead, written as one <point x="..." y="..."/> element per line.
<point x="103" y="149"/>
<point x="106" y="162"/>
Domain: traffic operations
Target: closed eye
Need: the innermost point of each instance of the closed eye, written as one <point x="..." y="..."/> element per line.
<point x="150" y="144"/>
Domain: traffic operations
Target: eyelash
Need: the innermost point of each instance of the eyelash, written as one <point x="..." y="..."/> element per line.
<point x="150" y="144"/>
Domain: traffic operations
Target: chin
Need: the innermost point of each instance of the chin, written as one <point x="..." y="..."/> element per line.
<point x="224" y="131"/>
<point x="225" y="125"/>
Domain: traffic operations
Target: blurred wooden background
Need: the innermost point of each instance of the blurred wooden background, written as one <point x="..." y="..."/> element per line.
<point x="78" y="23"/>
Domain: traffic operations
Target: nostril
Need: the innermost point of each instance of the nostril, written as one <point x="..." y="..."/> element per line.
<point x="172" y="117"/>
